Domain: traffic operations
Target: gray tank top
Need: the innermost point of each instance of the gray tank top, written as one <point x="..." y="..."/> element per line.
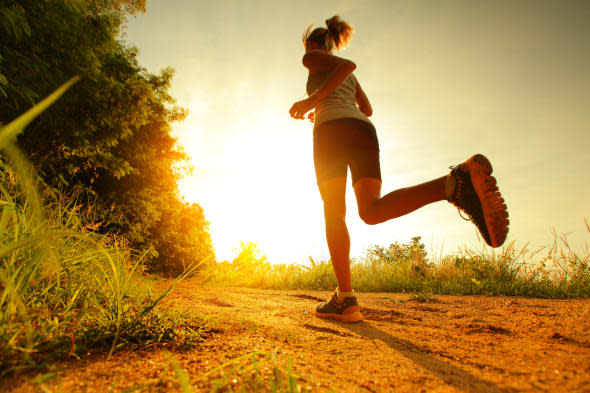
<point x="339" y="104"/>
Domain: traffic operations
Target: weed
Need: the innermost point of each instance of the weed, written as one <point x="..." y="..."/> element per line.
<point x="185" y="385"/>
<point x="423" y="296"/>
<point x="258" y="371"/>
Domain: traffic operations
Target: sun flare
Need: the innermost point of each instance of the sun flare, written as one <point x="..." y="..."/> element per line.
<point x="265" y="190"/>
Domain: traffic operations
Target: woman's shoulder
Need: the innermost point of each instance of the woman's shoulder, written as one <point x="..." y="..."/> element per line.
<point x="319" y="61"/>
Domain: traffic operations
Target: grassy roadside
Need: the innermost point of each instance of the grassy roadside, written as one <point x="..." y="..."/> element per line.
<point x="65" y="290"/>
<point x="556" y="271"/>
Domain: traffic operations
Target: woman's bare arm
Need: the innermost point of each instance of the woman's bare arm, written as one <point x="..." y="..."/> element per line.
<point x="363" y="101"/>
<point x="318" y="61"/>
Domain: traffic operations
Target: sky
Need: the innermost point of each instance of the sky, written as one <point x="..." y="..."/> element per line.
<point x="446" y="79"/>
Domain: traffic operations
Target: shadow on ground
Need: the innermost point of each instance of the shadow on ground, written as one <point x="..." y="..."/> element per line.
<point x="449" y="373"/>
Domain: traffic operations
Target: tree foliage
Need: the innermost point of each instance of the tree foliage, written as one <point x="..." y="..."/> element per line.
<point x="110" y="135"/>
<point x="398" y="253"/>
<point x="250" y="259"/>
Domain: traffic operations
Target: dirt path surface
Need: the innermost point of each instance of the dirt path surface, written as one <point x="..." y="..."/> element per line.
<point x="450" y="344"/>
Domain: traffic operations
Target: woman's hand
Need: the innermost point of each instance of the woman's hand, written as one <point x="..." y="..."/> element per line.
<point x="300" y="108"/>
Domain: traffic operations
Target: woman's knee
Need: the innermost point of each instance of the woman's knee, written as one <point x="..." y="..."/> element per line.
<point x="334" y="214"/>
<point x="369" y="215"/>
<point x="367" y="191"/>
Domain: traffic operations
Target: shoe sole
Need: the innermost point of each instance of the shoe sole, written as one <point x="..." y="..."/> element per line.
<point x="354" y="316"/>
<point x="494" y="209"/>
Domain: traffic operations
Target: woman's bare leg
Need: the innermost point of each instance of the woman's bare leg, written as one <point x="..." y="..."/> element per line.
<point x="374" y="209"/>
<point x="333" y="193"/>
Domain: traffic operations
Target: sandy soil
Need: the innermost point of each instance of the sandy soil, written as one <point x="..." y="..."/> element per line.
<point x="450" y="344"/>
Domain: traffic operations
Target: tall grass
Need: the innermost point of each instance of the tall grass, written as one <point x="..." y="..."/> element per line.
<point x="63" y="288"/>
<point x="556" y="271"/>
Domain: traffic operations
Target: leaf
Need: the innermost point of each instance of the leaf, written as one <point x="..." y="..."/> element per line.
<point x="15" y="127"/>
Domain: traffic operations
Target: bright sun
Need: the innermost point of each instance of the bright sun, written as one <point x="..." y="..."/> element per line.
<point x="262" y="189"/>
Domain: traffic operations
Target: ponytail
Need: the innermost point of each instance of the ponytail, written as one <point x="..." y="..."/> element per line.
<point x="336" y="35"/>
<point x="339" y="32"/>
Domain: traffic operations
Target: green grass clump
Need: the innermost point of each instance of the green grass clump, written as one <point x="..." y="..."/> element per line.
<point x="509" y="271"/>
<point x="63" y="288"/>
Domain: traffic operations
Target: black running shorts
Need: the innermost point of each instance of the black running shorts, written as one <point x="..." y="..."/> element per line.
<point x="342" y="143"/>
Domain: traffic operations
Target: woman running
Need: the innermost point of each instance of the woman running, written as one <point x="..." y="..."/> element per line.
<point x="343" y="137"/>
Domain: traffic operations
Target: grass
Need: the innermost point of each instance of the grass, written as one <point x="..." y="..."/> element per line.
<point x="556" y="271"/>
<point x="254" y="372"/>
<point x="65" y="290"/>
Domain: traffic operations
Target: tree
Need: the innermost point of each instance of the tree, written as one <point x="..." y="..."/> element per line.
<point x="109" y="136"/>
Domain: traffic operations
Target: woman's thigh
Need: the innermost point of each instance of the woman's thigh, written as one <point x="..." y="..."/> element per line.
<point x="333" y="193"/>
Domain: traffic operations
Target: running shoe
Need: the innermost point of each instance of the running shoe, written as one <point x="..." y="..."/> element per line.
<point x="347" y="310"/>
<point x="472" y="189"/>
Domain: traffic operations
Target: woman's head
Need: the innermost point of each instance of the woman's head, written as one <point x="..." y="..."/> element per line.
<point x="335" y="35"/>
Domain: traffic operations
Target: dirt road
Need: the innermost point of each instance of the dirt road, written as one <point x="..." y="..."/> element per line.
<point x="450" y="344"/>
